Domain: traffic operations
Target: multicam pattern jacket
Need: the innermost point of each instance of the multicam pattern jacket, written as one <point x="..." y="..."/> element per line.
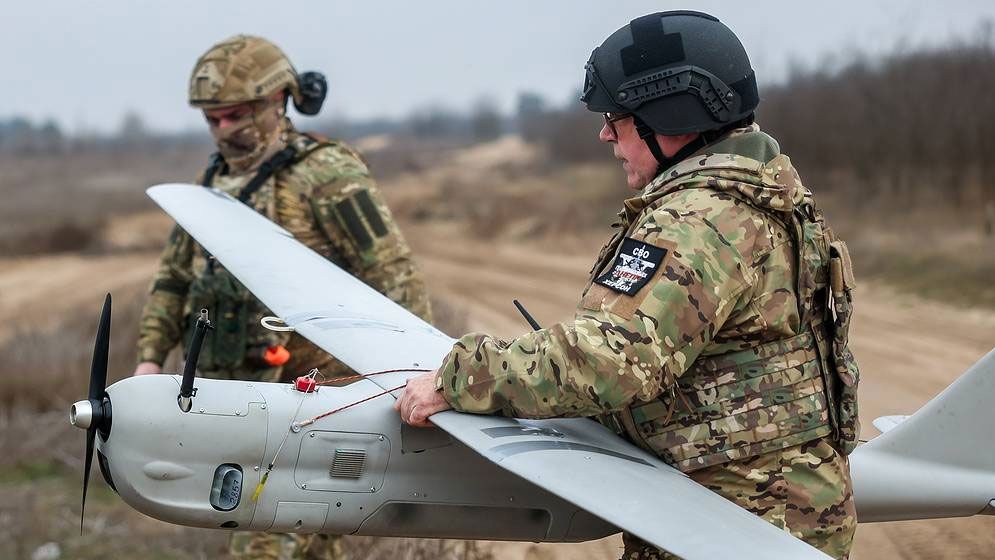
<point x="701" y="282"/>
<point x="329" y="202"/>
<point x="705" y="335"/>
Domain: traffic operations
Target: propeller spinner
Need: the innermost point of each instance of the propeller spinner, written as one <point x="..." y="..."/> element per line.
<point x="94" y="414"/>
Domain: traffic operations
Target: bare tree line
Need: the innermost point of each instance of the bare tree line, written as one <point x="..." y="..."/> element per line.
<point x="911" y="125"/>
<point x="916" y="125"/>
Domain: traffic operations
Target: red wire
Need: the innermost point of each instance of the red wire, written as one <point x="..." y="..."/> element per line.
<point x="365" y="375"/>
<point x="350" y="405"/>
<point x="360" y="376"/>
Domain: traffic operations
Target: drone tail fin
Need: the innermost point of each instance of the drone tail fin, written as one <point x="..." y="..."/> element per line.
<point x="939" y="462"/>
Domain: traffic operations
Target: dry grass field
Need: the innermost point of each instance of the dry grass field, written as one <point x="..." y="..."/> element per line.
<point x="77" y="227"/>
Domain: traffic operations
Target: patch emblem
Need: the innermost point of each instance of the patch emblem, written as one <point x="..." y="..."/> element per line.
<point x="634" y="266"/>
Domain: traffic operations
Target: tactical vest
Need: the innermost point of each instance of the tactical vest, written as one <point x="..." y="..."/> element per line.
<point x="236" y="339"/>
<point x="772" y="396"/>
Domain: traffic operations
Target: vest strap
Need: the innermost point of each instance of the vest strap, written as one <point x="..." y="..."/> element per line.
<point x="276" y="163"/>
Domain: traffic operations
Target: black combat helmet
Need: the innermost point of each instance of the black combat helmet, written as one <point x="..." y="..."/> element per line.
<point x="676" y="72"/>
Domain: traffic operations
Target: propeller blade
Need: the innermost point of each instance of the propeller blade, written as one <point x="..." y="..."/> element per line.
<point x="98" y="385"/>
<point x="101" y="348"/>
<point x="91" y="434"/>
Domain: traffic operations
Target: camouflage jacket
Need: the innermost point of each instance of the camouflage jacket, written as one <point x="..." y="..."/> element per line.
<point x="328" y="201"/>
<point x="701" y="273"/>
<point x="726" y="283"/>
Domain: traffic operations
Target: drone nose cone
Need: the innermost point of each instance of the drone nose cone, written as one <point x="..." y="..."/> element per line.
<point x="81" y="414"/>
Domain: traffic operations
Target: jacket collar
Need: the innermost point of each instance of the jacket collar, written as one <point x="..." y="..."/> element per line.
<point x="746" y="160"/>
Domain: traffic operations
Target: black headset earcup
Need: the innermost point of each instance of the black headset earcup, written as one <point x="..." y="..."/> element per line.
<point x="314" y="88"/>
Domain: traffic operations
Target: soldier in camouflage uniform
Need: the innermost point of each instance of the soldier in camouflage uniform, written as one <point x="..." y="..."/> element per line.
<point x="713" y="330"/>
<point x="317" y="189"/>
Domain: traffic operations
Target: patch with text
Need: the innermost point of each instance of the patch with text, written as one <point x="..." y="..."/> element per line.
<point x="633" y="267"/>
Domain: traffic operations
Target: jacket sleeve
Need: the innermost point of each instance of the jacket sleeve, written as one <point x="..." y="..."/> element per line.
<point x="351" y="212"/>
<point x="161" y="324"/>
<point x="619" y="347"/>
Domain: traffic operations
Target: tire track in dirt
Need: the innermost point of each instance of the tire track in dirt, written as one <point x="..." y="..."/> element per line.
<point x="909" y="350"/>
<point x="483" y="278"/>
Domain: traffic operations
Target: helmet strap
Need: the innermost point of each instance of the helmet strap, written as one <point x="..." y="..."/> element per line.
<point x="648" y="136"/>
<point x="663" y="162"/>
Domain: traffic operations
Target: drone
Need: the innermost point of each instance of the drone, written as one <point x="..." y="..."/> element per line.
<point x="310" y="457"/>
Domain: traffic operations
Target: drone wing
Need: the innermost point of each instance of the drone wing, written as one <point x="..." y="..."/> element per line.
<point x="320" y="301"/>
<point x="576" y="459"/>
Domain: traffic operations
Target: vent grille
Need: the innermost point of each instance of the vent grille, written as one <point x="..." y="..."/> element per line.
<point x="347" y="463"/>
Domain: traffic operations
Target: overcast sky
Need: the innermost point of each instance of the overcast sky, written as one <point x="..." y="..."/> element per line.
<point x="85" y="63"/>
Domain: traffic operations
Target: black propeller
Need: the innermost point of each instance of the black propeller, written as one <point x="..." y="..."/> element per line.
<point x="94" y="414"/>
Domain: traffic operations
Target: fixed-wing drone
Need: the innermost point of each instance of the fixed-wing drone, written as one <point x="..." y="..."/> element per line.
<point x="305" y="457"/>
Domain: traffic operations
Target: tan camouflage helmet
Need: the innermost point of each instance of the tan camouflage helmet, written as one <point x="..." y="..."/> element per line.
<point x="240" y="69"/>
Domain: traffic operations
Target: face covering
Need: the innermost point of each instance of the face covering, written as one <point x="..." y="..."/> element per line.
<point x="243" y="143"/>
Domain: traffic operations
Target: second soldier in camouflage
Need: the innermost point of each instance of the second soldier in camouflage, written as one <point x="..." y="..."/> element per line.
<point x="317" y="189"/>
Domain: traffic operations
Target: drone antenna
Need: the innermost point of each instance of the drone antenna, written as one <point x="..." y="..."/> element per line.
<point x="521" y="309"/>
<point x="187" y="390"/>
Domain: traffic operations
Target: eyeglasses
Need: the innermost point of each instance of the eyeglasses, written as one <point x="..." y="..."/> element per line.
<point x="611" y="118"/>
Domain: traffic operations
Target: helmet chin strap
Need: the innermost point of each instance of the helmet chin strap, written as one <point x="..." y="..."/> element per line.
<point x="663" y="162"/>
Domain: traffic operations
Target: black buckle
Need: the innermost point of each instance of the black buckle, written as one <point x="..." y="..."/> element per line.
<point x="590" y="78"/>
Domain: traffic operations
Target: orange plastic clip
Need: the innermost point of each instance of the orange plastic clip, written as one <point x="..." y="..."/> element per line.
<point x="276" y="356"/>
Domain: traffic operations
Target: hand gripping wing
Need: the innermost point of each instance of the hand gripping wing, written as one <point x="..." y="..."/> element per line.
<point x="576" y="459"/>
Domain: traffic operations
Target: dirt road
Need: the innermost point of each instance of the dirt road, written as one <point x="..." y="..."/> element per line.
<point x="909" y="350"/>
<point x="37" y="291"/>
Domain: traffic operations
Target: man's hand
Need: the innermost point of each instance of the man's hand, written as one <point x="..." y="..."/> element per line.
<point x="420" y="400"/>
<point x="145" y="368"/>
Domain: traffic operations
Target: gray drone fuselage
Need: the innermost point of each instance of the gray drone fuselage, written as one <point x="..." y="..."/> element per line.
<point x="357" y="471"/>
<point x="361" y="471"/>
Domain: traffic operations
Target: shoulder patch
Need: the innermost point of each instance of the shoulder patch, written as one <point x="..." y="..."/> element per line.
<point x="634" y="265"/>
<point x="362" y="219"/>
<point x="370" y="211"/>
<point x="350" y="218"/>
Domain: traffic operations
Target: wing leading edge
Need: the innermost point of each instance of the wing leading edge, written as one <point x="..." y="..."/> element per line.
<point x="322" y="302"/>
<point x="576" y="459"/>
